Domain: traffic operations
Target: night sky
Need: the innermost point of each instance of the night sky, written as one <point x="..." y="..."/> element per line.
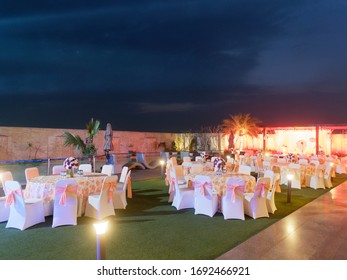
<point x="172" y="66"/>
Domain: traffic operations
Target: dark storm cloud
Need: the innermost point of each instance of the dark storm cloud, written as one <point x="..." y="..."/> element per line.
<point x="156" y="60"/>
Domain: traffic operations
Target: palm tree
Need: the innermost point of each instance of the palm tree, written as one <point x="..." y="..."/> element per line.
<point x="241" y="125"/>
<point x="87" y="148"/>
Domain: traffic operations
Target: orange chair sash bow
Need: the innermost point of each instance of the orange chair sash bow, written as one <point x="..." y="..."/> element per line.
<point x="129" y="189"/>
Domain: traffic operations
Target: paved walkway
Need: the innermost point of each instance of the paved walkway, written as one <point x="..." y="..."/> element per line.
<point x="317" y="231"/>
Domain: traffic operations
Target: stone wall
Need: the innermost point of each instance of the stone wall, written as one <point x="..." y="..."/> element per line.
<point x="21" y="143"/>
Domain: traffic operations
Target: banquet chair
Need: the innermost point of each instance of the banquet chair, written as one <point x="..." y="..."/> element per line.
<point x="205" y="201"/>
<point x="5" y="176"/>
<point x="186" y="164"/>
<point x="309" y="172"/>
<point x="209" y="166"/>
<point x="327" y="176"/>
<point x="255" y="203"/>
<point x="57" y="169"/>
<point x="173" y="161"/>
<point x="296" y="171"/>
<point x="30" y="173"/>
<point x="123" y="174"/>
<point x="266" y="165"/>
<point x="269" y="174"/>
<point x="245" y="169"/>
<point x="182" y="194"/>
<point x="65" y="203"/>
<point x="254" y="163"/>
<point x="196" y="168"/>
<point x="341" y="165"/>
<point x="119" y="195"/>
<point x="270" y="198"/>
<point x="86" y="167"/>
<point x="232" y="200"/>
<point x="24" y="213"/>
<point x="303" y="161"/>
<point x="198" y="158"/>
<point x="317" y="179"/>
<point x="107" y="169"/>
<point x="315" y="161"/>
<point x="100" y="205"/>
<point x="4" y="211"/>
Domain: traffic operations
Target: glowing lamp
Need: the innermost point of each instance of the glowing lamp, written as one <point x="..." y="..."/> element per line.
<point x="100" y="230"/>
<point x="162" y="168"/>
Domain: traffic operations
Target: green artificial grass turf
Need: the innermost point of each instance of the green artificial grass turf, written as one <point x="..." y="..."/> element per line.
<point x="148" y="229"/>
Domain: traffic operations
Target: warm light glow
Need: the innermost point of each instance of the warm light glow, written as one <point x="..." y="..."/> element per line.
<point x="228" y="156"/>
<point x="267" y="154"/>
<point x="331" y="164"/>
<point x="162" y="162"/>
<point x="101" y="228"/>
<point x="290" y="228"/>
<point x="290" y="177"/>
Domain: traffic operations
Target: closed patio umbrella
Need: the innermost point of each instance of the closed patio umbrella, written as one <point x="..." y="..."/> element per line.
<point x="108" y="146"/>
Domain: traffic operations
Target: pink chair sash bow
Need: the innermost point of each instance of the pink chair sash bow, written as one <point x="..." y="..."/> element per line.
<point x="11" y="197"/>
<point x="172" y="185"/>
<point x="203" y="187"/>
<point x="235" y="188"/>
<point x="260" y="188"/>
<point x="63" y="190"/>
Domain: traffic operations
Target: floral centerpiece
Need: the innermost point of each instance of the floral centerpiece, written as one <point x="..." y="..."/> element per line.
<point x="218" y="164"/>
<point x="290" y="157"/>
<point x="70" y="164"/>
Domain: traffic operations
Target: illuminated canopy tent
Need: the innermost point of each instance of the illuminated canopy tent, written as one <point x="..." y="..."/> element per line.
<point x="330" y="139"/>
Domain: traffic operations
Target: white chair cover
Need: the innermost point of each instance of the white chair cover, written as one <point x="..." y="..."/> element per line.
<point x="182" y="194"/>
<point x="232" y="200"/>
<point x="86" y="167"/>
<point x="317" y="180"/>
<point x="120" y="194"/>
<point x="255" y="203"/>
<point x="57" y="169"/>
<point x="107" y="169"/>
<point x="244" y="169"/>
<point x="100" y="205"/>
<point x="327" y="176"/>
<point x="205" y="203"/>
<point x="33" y="172"/>
<point x="23" y="213"/>
<point x="65" y="203"/>
<point x="270" y="198"/>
